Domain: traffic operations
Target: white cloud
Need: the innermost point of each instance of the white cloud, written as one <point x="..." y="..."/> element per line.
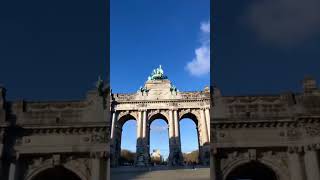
<point x="284" y="22"/>
<point x="205" y="27"/>
<point x="200" y="65"/>
<point x="159" y="128"/>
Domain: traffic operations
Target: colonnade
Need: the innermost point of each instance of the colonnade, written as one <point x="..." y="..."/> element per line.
<point x="144" y="118"/>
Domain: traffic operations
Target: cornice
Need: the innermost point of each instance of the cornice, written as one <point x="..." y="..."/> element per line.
<point x="160" y="101"/>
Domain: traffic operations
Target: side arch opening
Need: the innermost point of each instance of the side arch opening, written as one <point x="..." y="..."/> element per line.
<point x="189" y="138"/>
<point x="252" y="171"/>
<point x="55" y="173"/>
<point x="126" y="140"/>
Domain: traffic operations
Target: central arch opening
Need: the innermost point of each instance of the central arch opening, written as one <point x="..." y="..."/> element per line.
<point x="55" y="173"/>
<point x="252" y="171"/>
<point x="159" y="140"/>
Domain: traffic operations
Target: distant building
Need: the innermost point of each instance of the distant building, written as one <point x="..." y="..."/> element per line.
<point x="156" y="156"/>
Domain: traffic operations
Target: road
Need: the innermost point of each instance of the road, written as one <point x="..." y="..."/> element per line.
<point x="131" y="173"/>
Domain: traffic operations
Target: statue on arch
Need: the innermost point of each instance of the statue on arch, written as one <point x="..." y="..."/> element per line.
<point x="157" y="74"/>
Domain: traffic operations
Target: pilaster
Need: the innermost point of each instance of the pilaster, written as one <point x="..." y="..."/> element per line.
<point x="176" y="127"/>
<point x="142" y="153"/>
<point x="113" y="124"/>
<point x="144" y="124"/>
<point x="312" y="164"/>
<point x="98" y="167"/>
<point x="204" y="130"/>
<point x="139" y="125"/>
<point x="13" y="170"/>
<point x="1" y="153"/>
<point x="207" y="112"/>
<point x="295" y="165"/>
<point x="171" y="126"/>
<point x="175" y="156"/>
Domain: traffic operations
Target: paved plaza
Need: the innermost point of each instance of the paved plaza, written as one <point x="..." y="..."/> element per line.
<point x="131" y="173"/>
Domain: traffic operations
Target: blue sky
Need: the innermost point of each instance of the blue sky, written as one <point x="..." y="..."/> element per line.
<point x="145" y="34"/>
<point x="159" y="137"/>
<point x="52" y="50"/>
<point x="265" y="46"/>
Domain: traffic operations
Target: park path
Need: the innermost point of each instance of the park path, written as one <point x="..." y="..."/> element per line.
<point x="163" y="174"/>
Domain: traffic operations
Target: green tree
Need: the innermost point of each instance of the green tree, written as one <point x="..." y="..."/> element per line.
<point x="127" y="157"/>
<point x="192" y="157"/>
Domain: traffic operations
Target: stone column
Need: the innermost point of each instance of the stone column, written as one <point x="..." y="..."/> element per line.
<point x="144" y="124"/>
<point x="176" y="127"/>
<point x="171" y="135"/>
<point x="1" y="159"/>
<point x="213" y="174"/>
<point x="145" y="136"/>
<point x="13" y="171"/>
<point x="204" y="152"/>
<point x="204" y="129"/>
<point x="114" y="116"/>
<point x="295" y="166"/>
<point x="176" y="155"/>
<point x="116" y="146"/>
<point x="138" y="144"/>
<point x="142" y="155"/>
<point x="171" y="127"/>
<point x="98" y="168"/>
<point x="1" y="170"/>
<point x="113" y="140"/>
<point x="207" y="112"/>
<point x="139" y="120"/>
<point x="108" y="169"/>
<point x="311" y="162"/>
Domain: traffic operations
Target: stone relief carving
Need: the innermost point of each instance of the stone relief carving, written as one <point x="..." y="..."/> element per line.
<point x="293" y="133"/>
<point x="151" y="113"/>
<point x="38" y="164"/>
<point x="99" y="138"/>
<point x="313" y="130"/>
<point x="121" y="114"/>
<point x="276" y="160"/>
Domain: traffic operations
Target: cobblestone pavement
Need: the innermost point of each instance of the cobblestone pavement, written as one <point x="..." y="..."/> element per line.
<point x="163" y="174"/>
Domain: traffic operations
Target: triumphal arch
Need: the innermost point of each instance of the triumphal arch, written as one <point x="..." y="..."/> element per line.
<point x="160" y="99"/>
<point x="266" y="137"/>
<point x="55" y="139"/>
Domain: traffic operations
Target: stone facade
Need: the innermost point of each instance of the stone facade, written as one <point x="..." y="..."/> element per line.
<point x="280" y="132"/>
<point x="159" y="99"/>
<point x="40" y="137"/>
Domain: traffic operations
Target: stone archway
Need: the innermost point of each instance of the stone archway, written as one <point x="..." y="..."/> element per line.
<point x="124" y="118"/>
<point x="158" y="97"/>
<point x="253" y="170"/>
<point x="54" y="173"/>
<point x="171" y="118"/>
<point x="157" y="117"/>
<point x="189" y="116"/>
